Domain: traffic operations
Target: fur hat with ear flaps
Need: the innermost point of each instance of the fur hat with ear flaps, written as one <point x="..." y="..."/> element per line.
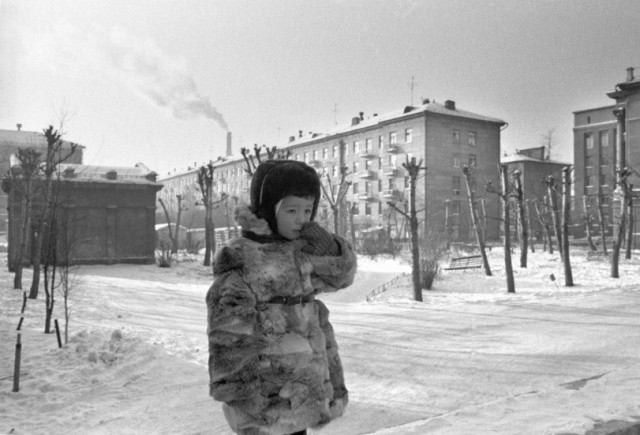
<point x="276" y="179"/>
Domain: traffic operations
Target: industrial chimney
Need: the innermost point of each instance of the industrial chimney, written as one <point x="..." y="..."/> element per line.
<point x="228" y="144"/>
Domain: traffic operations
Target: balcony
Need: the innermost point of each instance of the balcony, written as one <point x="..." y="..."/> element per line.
<point x="370" y="197"/>
<point x="368" y="174"/>
<point x="369" y="154"/>
<point x="395" y="148"/>
<point x="393" y="194"/>
<point x="393" y="172"/>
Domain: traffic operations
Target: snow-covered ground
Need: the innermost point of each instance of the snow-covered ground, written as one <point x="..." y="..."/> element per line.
<point x="470" y="359"/>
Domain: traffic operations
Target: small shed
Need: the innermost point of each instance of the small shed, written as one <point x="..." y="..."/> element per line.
<point x="104" y="214"/>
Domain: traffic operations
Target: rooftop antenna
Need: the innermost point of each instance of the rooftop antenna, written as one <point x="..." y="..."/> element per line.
<point x="412" y="86"/>
<point x="335" y="113"/>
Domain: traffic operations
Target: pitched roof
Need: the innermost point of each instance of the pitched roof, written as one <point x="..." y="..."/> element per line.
<point x="21" y="138"/>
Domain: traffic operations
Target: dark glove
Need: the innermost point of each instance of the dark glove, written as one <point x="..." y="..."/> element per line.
<point x="319" y="241"/>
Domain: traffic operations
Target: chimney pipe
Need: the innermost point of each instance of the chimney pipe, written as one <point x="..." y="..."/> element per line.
<point x="228" y="143"/>
<point x="20" y="125"/>
<point x="629" y="73"/>
<point x="450" y="104"/>
<point x="361" y="116"/>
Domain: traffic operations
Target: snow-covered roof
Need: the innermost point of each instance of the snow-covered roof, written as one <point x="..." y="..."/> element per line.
<point x="138" y="174"/>
<point x="22" y="138"/>
<point x="522" y="158"/>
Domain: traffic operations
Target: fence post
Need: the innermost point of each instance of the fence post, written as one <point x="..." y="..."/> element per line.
<point x="16" y="368"/>
<point x="58" y="333"/>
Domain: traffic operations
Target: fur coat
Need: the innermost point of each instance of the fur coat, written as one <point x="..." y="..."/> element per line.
<point x="276" y="367"/>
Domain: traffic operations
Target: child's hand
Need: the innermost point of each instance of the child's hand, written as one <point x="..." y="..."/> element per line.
<point x="319" y="241"/>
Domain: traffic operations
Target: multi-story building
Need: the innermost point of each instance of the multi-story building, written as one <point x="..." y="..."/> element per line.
<point x="373" y="150"/>
<point x="605" y="139"/>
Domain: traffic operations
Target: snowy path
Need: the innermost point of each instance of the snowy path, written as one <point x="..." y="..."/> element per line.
<point x="542" y="361"/>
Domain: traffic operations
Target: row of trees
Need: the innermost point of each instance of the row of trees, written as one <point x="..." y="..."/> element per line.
<point x="45" y="235"/>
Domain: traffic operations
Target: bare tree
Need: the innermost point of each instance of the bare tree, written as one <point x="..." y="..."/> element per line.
<point x="524" y="222"/>
<point x="623" y="192"/>
<point x="205" y="183"/>
<point x="505" y="195"/>
<point x="474" y="219"/>
<point x="258" y="157"/>
<point x="630" y="224"/>
<point x="566" y="218"/>
<point x="554" y="210"/>
<point x="601" y="221"/>
<point x="53" y="157"/>
<point x="335" y="194"/>
<point x="22" y="180"/>
<point x="588" y="220"/>
<point x="413" y="168"/>
<point x="174" y="234"/>
<point x="546" y="233"/>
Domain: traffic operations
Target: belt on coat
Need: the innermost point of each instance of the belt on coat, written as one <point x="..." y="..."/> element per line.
<point x="292" y="300"/>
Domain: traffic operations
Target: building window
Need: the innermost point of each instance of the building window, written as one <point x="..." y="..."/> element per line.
<point x="380" y="142"/>
<point x="346" y="150"/>
<point x="472" y="184"/>
<point x="393" y="138"/>
<point x="603" y="180"/>
<point x="316" y="154"/>
<point x="588" y="161"/>
<point x="355" y="188"/>
<point x="367" y="165"/>
<point x="472" y="160"/>
<point x="392" y="183"/>
<point x="355" y="208"/>
<point x="325" y="153"/>
<point x="456" y="160"/>
<point x="335" y="151"/>
<point x="335" y="171"/>
<point x="455" y="183"/>
<point x="392" y="160"/>
<point x="306" y="157"/>
<point x="588" y="141"/>
<point x="604" y="138"/>
<point x="589" y="180"/>
<point x="379" y="163"/>
<point x="472" y="138"/>
<point x="356" y="147"/>
<point x="407" y="183"/>
<point x="367" y="188"/>
<point x="368" y="145"/>
<point x="408" y="135"/>
<point x="456" y="137"/>
<point x="367" y="209"/>
<point x="379" y="185"/>
<point x="380" y="208"/>
<point x="604" y="160"/>
<point x="355" y="167"/>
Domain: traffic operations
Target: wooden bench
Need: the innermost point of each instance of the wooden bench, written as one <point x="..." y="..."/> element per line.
<point x="596" y="255"/>
<point x="470" y="262"/>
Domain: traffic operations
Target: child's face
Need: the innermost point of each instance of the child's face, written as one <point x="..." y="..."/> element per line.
<point x="292" y="212"/>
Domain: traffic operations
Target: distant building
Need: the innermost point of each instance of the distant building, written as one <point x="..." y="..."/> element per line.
<point x="10" y="142"/>
<point x="105" y="215"/>
<point x="535" y="168"/>
<point x="374" y="149"/>
<point x="599" y="134"/>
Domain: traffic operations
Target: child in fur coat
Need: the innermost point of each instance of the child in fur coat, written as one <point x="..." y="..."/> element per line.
<point x="273" y="356"/>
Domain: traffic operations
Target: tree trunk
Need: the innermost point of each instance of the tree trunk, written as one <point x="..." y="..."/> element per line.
<point x="601" y="224"/>
<point x="24" y="238"/>
<point x="587" y="218"/>
<point x="511" y="288"/>
<point x="415" y="249"/>
<point x="555" y="214"/>
<point x="524" y="225"/>
<point x="566" y="217"/>
<point x="620" y="228"/>
<point x="546" y="236"/>
<point x="476" y="224"/>
<point x="630" y="224"/>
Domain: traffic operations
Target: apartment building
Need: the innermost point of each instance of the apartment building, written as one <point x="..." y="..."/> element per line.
<point x="373" y="150"/>
<point x="607" y="138"/>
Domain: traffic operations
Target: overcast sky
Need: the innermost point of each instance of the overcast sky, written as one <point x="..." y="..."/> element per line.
<point x="161" y="82"/>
